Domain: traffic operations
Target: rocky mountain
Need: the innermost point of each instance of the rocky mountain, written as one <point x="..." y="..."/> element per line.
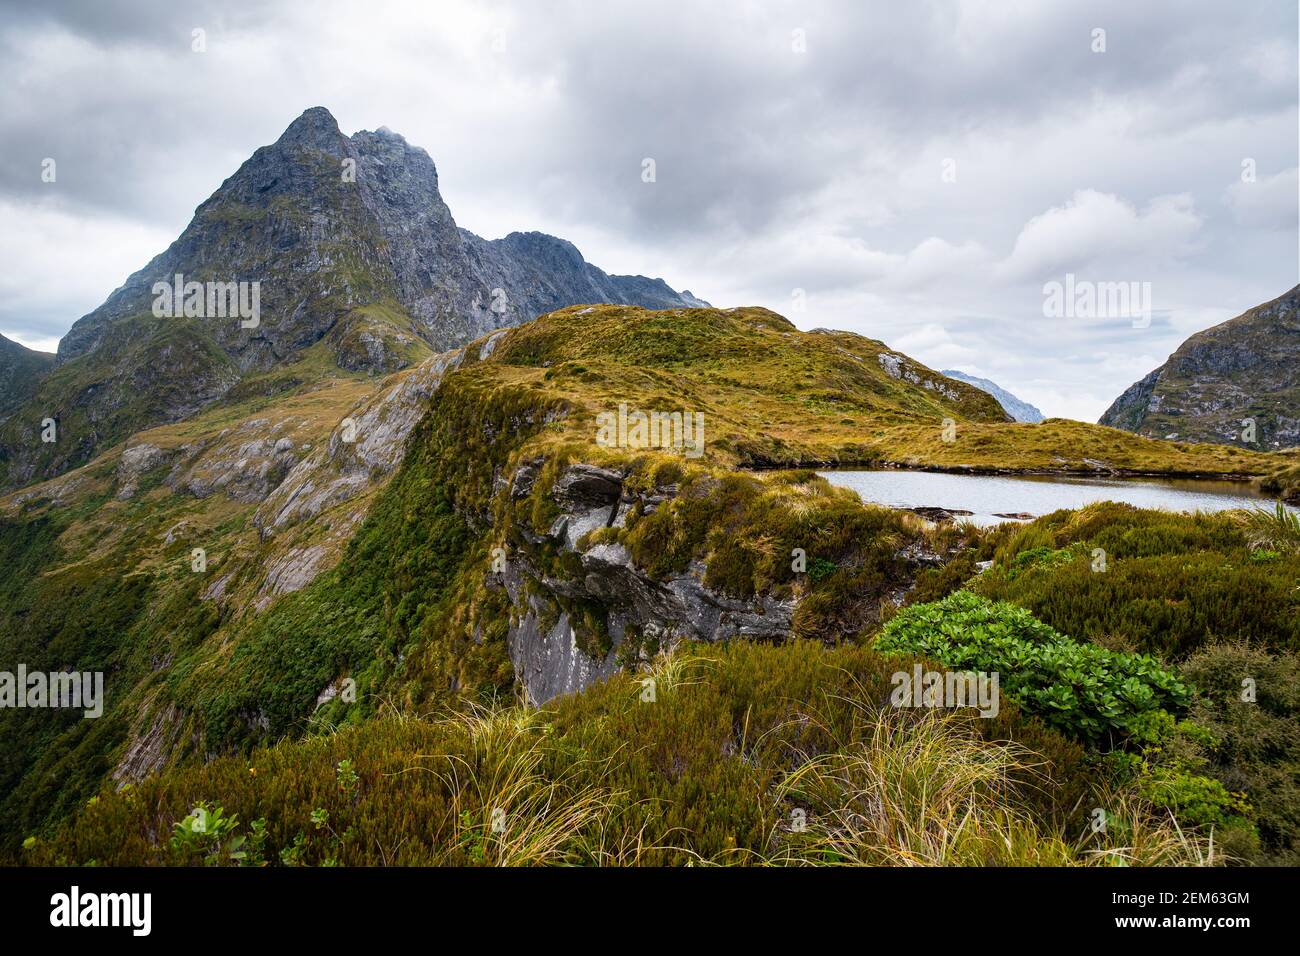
<point x="327" y="237"/>
<point x="20" y="370"/>
<point x="1020" y="410"/>
<point x="1245" y="370"/>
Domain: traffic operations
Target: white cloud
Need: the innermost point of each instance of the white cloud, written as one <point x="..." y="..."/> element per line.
<point x="60" y="265"/>
<point x="1101" y="231"/>
<point x="935" y="346"/>
<point x="1270" y="202"/>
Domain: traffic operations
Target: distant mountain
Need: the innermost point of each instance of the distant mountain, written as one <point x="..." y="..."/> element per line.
<point x="1245" y="369"/>
<point x="1020" y="410"/>
<point x="349" y="243"/>
<point x="20" y="369"/>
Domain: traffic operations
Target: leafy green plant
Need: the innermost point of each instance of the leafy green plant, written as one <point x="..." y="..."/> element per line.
<point x="1088" y="691"/>
<point x="208" y="835"/>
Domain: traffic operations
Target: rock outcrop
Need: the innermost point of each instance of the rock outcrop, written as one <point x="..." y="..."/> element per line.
<point x="367" y="446"/>
<point x="641" y="614"/>
<point x="546" y="653"/>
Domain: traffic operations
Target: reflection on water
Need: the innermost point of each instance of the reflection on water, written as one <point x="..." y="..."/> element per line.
<point x="987" y="496"/>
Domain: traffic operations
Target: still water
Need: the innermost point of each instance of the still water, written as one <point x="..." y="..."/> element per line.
<point x="987" y="496"/>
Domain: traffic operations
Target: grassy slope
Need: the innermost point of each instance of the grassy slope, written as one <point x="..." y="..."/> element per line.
<point x="406" y="611"/>
<point x="774" y="395"/>
<point x="99" y="583"/>
<point x="21" y="369"/>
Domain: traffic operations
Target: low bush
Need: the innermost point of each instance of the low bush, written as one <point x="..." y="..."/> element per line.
<point x="739" y="754"/>
<point x="1085" y="690"/>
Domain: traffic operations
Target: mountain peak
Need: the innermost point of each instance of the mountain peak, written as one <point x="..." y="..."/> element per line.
<point x="327" y="244"/>
<point x="316" y="127"/>
<point x="1235" y="383"/>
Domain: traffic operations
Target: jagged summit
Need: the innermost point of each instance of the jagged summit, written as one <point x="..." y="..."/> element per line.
<point x="316" y="127"/>
<point x="346" y="239"/>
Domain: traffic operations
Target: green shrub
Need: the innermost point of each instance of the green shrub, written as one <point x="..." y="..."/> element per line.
<point x="1041" y="558"/>
<point x="1085" y="690"/>
<point x="1169" y="584"/>
<point x="1256" y="744"/>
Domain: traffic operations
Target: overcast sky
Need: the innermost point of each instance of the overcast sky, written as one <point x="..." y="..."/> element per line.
<point x="918" y="170"/>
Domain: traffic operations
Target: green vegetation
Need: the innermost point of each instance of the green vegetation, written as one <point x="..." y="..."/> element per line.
<point x="747" y="755"/>
<point x="1082" y="689"/>
<point x="1193" y="592"/>
<point x="1112" y="630"/>
<point x="1248" y="701"/>
<point x="21" y="369"/>
<point x="1171" y="583"/>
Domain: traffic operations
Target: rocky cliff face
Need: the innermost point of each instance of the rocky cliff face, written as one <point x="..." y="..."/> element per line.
<point x="550" y="656"/>
<point x="347" y="466"/>
<point x="1244" y="370"/>
<point x="347" y="239"/>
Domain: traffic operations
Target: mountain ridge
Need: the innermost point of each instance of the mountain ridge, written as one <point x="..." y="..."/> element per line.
<point x="1236" y="383"/>
<point x="1017" y="408"/>
<point x="20" y="369"/>
<point x="344" y="239"/>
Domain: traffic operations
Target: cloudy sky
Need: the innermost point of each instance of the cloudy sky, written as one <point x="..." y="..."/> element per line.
<point x="911" y="171"/>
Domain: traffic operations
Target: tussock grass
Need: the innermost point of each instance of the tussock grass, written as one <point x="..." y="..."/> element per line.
<point x="1138" y="834"/>
<point x="915" y="792"/>
<point x="531" y="819"/>
<point x="1279" y="528"/>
